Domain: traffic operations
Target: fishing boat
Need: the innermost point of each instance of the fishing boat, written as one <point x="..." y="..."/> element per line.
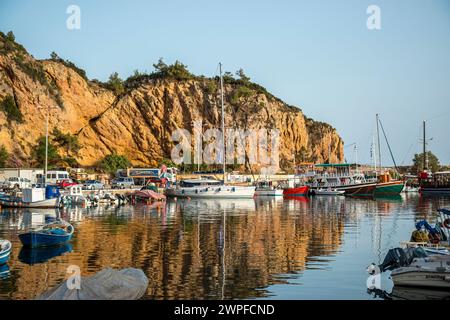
<point x="55" y="233"/>
<point x="5" y="251"/>
<point x="209" y="188"/>
<point x="266" y="189"/>
<point x="389" y="188"/>
<point x="329" y="192"/>
<point x="32" y="198"/>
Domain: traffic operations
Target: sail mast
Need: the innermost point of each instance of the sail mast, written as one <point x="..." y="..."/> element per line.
<point x="425" y="164"/>
<point x="378" y="144"/>
<point x="223" y="124"/>
<point x="46" y="149"/>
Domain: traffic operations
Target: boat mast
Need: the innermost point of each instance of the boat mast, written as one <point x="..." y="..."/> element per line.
<point x="378" y="144"/>
<point x="46" y="149"/>
<point x="425" y="164"/>
<point x="223" y="123"/>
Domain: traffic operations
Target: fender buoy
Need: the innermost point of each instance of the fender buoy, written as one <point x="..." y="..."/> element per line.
<point x="447" y="223"/>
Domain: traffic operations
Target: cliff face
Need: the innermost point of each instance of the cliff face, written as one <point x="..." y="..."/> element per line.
<point x="139" y="122"/>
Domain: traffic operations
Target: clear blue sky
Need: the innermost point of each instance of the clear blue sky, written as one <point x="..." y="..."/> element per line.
<point x="318" y="55"/>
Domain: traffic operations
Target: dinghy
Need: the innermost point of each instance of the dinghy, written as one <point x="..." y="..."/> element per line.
<point x="52" y="234"/>
<point x="5" y="251"/>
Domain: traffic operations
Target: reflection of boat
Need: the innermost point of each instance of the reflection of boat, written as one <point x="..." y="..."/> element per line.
<point x="39" y="255"/>
<point x="409" y="293"/>
<point x="54" y="233"/>
<point x="300" y="199"/>
<point x="5" y="251"/>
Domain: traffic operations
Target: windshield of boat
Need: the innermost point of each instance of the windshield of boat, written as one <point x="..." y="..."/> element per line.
<point x="198" y="183"/>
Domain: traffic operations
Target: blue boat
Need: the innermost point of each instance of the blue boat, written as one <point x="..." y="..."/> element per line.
<point x="5" y="251"/>
<point x="52" y="234"/>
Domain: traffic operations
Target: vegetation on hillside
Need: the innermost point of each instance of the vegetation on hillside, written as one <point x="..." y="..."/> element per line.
<point x="9" y="107"/>
<point x="111" y="163"/>
<point x="433" y="162"/>
<point x="69" y="64"/>
<point x="4" y="156"/>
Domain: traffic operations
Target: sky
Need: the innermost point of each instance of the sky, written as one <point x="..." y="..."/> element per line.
<point x="317" y="55"/>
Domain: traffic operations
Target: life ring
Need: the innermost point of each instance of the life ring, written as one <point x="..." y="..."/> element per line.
<point x="447" y="223"/>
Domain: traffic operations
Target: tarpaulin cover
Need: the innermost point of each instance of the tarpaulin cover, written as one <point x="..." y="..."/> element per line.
<point x="108" y="284"/>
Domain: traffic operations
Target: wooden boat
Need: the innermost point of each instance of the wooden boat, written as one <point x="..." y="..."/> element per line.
<point x="389" y="188"/>
<point x="296" y="191"/>
<point x="52" y="234"/>
<point x="359" y="189"/>
<point x="5" y="251"/>
<point x="31" y="198"/>
<point x="329" y="192"/>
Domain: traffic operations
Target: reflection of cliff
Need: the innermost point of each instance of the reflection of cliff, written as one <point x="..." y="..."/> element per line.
<point x="192" y="255"/>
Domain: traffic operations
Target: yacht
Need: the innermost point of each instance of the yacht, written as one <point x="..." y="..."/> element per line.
<point x="209" y="188"/>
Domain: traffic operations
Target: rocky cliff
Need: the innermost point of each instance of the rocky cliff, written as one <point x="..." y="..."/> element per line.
<point x="138" y="120"/>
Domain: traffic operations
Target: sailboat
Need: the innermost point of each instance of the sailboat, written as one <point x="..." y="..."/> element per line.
<point x="385" y="185"/>
<point x="211" y="188"/>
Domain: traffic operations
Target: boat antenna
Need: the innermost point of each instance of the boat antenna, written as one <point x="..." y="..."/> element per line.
<point x="223" y="123"/>
<point x="389" y="146"/>
<point x="46" y="147"/>
<point x="378" y="144"/>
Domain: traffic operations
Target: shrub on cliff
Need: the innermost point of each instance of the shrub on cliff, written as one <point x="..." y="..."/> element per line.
<point x="69" y="64"/>
<point x="39" y="153"/>
<point x="112" y="162"/>
<point x="4" y="155"/>
<point x="11" y="110"/>
<point x="115" y="83"/>
<point x="176" y="71"/>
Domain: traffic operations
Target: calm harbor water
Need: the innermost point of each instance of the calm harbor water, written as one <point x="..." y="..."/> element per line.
<point x="301" y="248"/>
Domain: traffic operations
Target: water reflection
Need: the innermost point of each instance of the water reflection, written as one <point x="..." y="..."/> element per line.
<point x="221" y="249"/>
<point x="40" y="255"/>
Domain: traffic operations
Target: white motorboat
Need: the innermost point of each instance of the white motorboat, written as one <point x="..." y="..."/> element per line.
<point x="432" y="271"/>
<point x="31" y="198"/>
<point x="415" y="267"/>
<point x="329" y="192"/>
<point x="209" y="188"/>
<point x="266" y="189"/>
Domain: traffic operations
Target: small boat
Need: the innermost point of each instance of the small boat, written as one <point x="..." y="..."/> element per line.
<point x="52" y="234"/>
<point x="329" y="192"/>
<point x="266" y="189"/>
<point x="32" y="198"/>
<point x="414" y="267"/>
<point x="145" y="195"/>
<point x="5" y="251"/>
<point x="296" y="191"/>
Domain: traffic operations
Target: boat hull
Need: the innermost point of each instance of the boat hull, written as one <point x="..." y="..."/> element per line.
<point x="389" y="188"/>
<point x="361" y="189"/>
<point x="18" y="203"/>
<point x="298" y="191"/>
<point x="4" y="257"/>
<point x="411" y="277"/>
<point x="269" y="193"/>
<point x="37" y="239"/>
<point x="222" y="192"/>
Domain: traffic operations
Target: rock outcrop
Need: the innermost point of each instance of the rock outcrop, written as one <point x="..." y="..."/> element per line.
<point x="139" y="121"/>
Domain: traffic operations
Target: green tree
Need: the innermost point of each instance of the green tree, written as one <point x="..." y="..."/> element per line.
<point x="4" y="155"/>
<point x="11" y="110"/>
<point x="39" y="153"/>
<point x="244" y="78"/>
<point x="433" y="162"/>
<point x="115" y="83"/>
<point x="10" y="36"/>
<point x="66" y="140"/>
<point x="54" y="56"/>
<point x="112" y="162"/>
